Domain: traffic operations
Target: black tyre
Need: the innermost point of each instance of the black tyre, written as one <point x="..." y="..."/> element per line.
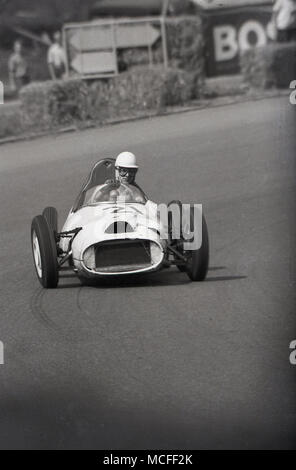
<point x="172" y="222"/>
<point x="44" y="252"/>
<point x="51" y="216"/>
<point x="198" y="260"/>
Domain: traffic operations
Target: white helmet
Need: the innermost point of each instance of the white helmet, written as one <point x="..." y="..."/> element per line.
<point x="126" y="160"/>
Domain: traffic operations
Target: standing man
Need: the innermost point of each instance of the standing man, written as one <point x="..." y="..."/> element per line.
<point x="56" y="58"/>
<point x="18" y="68"/>
<point x="284" y="17"/>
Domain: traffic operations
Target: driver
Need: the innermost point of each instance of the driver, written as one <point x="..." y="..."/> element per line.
<point x="126" y="168"/>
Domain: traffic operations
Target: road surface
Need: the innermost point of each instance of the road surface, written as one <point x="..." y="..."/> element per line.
<point x="158" y="363"/>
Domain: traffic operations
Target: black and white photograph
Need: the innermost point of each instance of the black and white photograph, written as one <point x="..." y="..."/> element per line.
<point x="148" y="227"/>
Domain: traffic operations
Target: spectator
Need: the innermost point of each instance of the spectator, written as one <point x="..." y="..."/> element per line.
<point x="56" y="58"/>
<point x="18" y="68"/>
<point x="284" y="17"/>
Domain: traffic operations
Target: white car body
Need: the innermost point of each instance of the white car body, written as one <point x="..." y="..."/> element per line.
<point x="138" y="225"/>
<point x="113" y="228"/>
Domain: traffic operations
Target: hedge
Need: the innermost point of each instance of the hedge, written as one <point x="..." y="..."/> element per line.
<point x="139" y="89"/>
<point x="10" y="121"/>
<point x="273" y="65"/>
<point x="54" y="104"/>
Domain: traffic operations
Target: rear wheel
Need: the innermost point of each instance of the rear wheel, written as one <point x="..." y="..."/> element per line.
<point x="175" y="227"/>
<point x="198" y="260"/>
<point x="44" y="252"/>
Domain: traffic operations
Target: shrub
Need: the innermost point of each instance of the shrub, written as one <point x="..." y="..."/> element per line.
<point x="10" y="122"/>
<point x="179" y="87"/>
<point x="140" y="89"/>
<point x="273" y="65"/>
<point x="181" y="7"/>
<point x="185" y="41"/>
<point x="52" y="104"/>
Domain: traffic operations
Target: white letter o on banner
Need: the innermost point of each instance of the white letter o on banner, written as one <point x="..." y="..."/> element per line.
<point x="246" y="29"/>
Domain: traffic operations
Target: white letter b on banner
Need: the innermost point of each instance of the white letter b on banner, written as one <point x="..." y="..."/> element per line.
<point x="225" y="41"/>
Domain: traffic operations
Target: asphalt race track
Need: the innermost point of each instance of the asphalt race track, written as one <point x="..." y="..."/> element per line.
<point x="158" y="362"/>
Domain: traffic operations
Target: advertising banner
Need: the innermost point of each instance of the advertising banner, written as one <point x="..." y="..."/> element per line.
<point x="231" y="30"/>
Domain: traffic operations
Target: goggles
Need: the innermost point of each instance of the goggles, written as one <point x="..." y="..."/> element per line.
<point x="126" y="171"/>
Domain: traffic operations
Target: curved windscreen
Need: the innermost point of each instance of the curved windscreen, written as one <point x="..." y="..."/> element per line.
<point x="103" y="171"/>
<point x="115" y="192"/>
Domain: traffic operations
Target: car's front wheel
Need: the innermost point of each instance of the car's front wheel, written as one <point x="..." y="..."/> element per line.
<point x="51" y="216"/>
<point x="44" y="252"/>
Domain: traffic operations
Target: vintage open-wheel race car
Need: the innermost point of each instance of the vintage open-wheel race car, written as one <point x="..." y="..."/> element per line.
<point x="113" y="229"/>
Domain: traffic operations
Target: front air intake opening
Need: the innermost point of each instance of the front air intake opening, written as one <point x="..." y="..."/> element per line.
<point x="125" y="255"/>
